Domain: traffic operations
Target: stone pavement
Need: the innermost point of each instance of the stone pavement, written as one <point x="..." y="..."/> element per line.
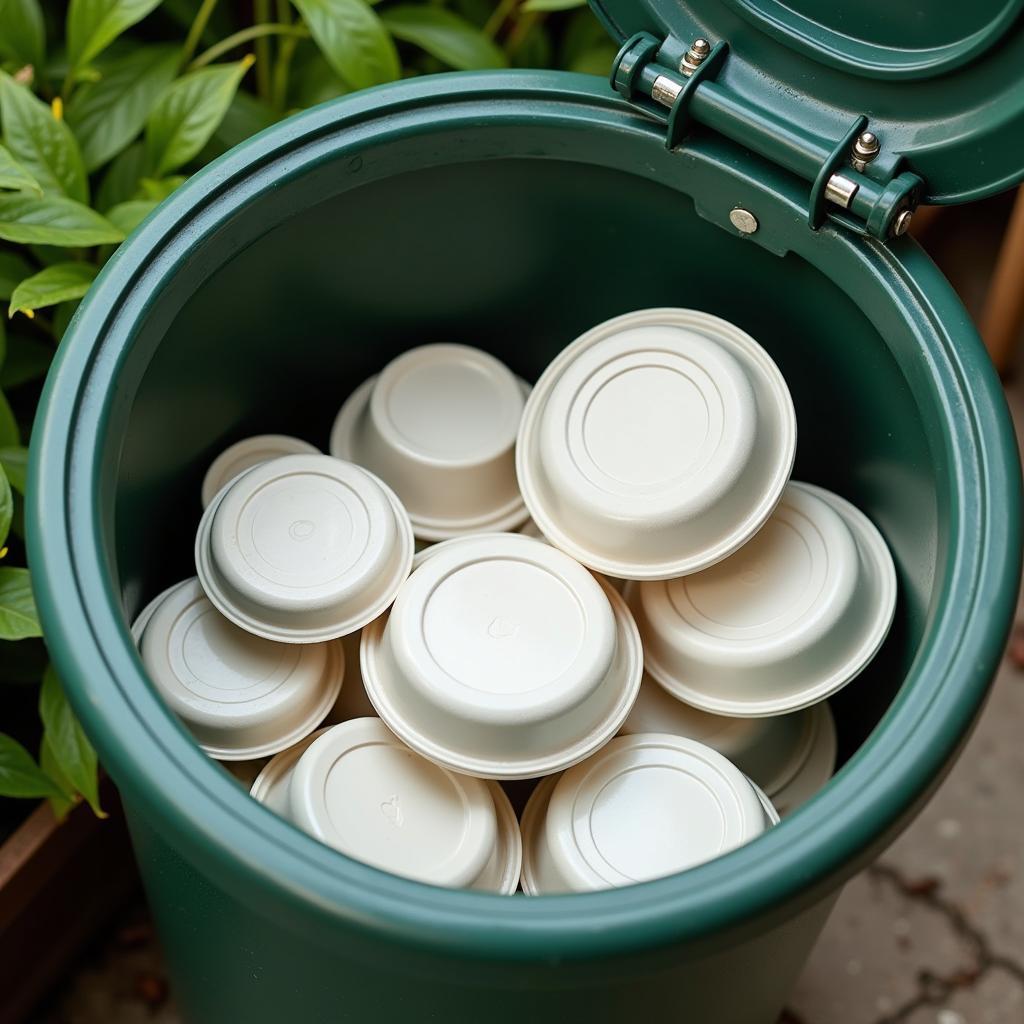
<point x="931" y="934"/>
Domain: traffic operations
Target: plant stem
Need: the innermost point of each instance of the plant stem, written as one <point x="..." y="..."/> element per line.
<point x="282" y="70"/>
<point x="499" y="17"/>
<point x="196" y="30"/>
<point x="261" y="15"/>
<point x="521" y="30"/>
<point x="285" y="52"/>
<point x="257" y="32"/>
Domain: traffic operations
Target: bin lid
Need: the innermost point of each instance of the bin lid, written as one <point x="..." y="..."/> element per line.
<point x="939" y="80"/>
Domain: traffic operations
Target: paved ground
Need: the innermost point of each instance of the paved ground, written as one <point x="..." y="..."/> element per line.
<point x="932" y="934"/>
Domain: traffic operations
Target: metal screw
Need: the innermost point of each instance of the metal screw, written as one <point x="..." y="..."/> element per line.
<point x="901" y="224"/>
<point x="743" y="221"/>
<point x="865" y="149"/>
<point x="694" y="56"/>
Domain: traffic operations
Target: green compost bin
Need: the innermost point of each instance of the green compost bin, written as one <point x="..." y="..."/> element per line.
<point x="512" y="211"/>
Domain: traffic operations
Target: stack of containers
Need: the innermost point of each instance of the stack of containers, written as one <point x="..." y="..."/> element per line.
<point x="666" y="724"/>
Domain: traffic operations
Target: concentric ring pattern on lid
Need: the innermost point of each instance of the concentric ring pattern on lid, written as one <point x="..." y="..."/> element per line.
<point x="503" y="657"/>
<point x="784" y="623"/>
<point x="439" y="425"/>
<point x="241" y="696"/>
<point x="656" y="444"/>
<point x="643" y="807"/>
<point x="249" y="452"/>
<point x="771" y="751"/>
<point x="361" y="790"/>
<point x="304" y="548"/>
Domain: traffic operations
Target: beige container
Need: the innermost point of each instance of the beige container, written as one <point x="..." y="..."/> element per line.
<point x="790" y="757"/>
<point x="784" y="623"/>
<point x="439" y="425"/>
<point x="643" y="807"/>
<point x="358" y="788"/>
<point x="303" y="549"/>
<point x="503" y="658"/>
<point x="241" y="696"/>
<point x="656" y="444"/>
<point x="243" y="455"/>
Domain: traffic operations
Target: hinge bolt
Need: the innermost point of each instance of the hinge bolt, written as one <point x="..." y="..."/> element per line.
<point x="901" y="224"/>
<point x="865" y="149"/>
<point x="694" y="56"/>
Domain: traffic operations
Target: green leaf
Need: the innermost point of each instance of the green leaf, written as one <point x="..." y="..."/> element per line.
<point x="108" y="114"/>
<point x="43" y="145"/>
<point x="60" y="805"/>
<point x="53" y="220"/>
<point x="18" y="615"/>
<point x="13" y="268"/>
<point x="159" y="188"/>
<point x="244" y="117"/>
<point x="92" y="25"/>
<point x="313" y="80"/>
<point x="14" y="463"/>
<point x="9" y="433"/>
<point x="27" y="359"/>
<point x="121" y="182"/>
<point x="6" y="507"/>
<point x="128" y="216"/>
<point x="13" y="175"/>
<point x="444" y="35"/>
<point x="22" y="32"/>
<point x="551" y="5"/>
<point x="62" y="317"/>
<point x="188" y="113"/>
<point x="597" y="61"/>
<point x="52" y="285"/>
<point x="20" y="775"/>
<point x="584" y="32"/>
<point x="70" y="746"/>
<point x="353" y="39"/>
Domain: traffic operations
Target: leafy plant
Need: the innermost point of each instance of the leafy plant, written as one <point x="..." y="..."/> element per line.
<point x="106" y="106"/>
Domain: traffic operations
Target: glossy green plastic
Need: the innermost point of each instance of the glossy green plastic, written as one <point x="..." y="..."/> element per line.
<point x="939" y="81"/>
<point x="510" y="211"/>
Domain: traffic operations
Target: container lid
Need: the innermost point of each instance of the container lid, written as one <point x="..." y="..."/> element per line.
<point x="643" y="807"/>
<point x="940" y="82"/>
<point x="783" y="623"/>
<point x="270" y="786"/>
<point x="304" y="548"/>
<point x="361" y="790"/>
<point x="503" y="657"/>
<point x="249" y="452"/>
<point x="656" y="444"/>
<point x="240" y="695"/>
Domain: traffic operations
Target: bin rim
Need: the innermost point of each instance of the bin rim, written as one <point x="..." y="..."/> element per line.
<point x="203" y="813"/>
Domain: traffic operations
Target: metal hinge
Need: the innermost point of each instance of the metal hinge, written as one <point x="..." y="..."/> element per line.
<point x="848" y="181"/>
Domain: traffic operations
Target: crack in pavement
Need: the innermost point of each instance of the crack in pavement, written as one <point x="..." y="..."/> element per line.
<point x="934" y="990"/>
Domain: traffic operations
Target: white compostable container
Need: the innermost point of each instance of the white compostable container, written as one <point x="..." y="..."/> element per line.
<point x="789" y="756"/>
<point x="358" y="788"/>
<point x="439" y="425"/>
<point x="504" y="658"/>
<point x="643" y="807"/>
<point x="249" y="452"/>
<point x="784" y="623"/>
<point x="303" y="549"/>
<point x="241" y="696"/>
<point x="656" y="444"/>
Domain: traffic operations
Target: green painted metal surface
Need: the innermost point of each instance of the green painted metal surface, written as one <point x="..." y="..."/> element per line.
<point x="510" y="211"/>
<point x="939" y="81"/>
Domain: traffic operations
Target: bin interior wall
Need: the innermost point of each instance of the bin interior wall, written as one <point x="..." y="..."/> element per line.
<point x="516" y="256"/>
